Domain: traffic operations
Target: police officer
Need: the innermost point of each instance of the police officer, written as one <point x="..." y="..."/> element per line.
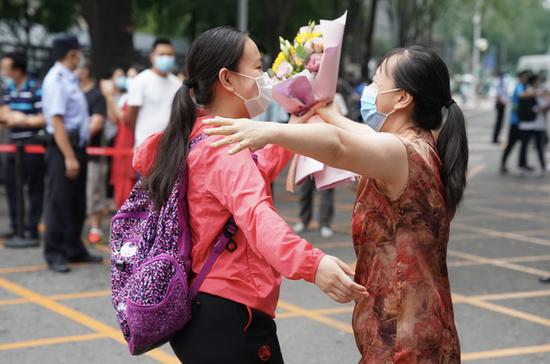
<point x="67" y="122"/>
<point x="21" y="114"/>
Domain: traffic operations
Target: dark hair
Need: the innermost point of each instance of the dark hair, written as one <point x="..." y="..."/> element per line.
<point x="524" y="73"/>
<point x="19" y="60"/>
<point x="213" y="50"/>
<point x="533" y="79"/>
<point x="160" y="41"/>
<point x="423" y="74"/>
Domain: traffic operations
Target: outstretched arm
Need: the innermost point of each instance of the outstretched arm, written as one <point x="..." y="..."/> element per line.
<point x="377" y="155"/>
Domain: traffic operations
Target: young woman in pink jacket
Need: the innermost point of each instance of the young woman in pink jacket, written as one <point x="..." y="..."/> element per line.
<point x="233" y="316"/>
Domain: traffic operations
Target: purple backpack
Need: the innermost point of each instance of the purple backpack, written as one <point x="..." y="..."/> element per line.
<point x="151" y="265"/>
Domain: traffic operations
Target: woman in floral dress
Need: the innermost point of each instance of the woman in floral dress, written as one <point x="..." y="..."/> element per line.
<point x="412" y="155"/>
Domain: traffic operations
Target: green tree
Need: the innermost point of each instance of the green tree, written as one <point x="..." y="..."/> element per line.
<point x="54" y="15"/>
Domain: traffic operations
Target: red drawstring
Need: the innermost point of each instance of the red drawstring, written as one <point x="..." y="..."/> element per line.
<point x="249" y="318"/>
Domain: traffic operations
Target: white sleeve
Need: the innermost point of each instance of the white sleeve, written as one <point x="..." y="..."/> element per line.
<point x="135" y="93"/>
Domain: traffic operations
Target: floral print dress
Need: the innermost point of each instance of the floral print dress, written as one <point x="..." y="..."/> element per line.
<point x="401" y="248"/>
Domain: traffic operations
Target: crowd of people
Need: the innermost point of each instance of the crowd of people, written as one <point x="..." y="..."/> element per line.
<point x="69" y="110"/>
<point x="529" y="106"/>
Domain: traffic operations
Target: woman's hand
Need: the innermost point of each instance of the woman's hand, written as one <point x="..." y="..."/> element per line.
<point x="328" y="112"/>
<point x="304" y="118"/>
<point x="333" y="279"/>
<point x="244" y="133"/>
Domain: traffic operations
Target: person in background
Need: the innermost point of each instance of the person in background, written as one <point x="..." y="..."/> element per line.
<point x="307" y="190"/>
<point x="500" y="104"/>
<point x="530" y="122"/>
<point x="151" y="92"/>
<point x="514" y="133"/>
<point x="67" y="122"/>
<point x="96" y="194"/>
<point x="21" y="114"/>
<point x="533" y="124"/>
<point x="122" y="176"/>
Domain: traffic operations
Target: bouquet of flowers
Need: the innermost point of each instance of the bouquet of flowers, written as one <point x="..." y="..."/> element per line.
<point x="305" y="73"/>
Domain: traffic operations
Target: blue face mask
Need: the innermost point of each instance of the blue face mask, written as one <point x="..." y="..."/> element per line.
<point x="165" y="64"/>
<point x="121" y="82"/>
<point x="371" y="116"/>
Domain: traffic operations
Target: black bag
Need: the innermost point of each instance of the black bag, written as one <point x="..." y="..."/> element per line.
<point x="526" y="109"/>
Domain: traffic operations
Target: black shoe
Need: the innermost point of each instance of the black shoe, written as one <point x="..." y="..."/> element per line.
<point x="17" y="242"/>
<point x="544" y="279"/>
<point x="59" y="267"/>
<point x="503" y="170"/>
<point x="86" y="258"/>
<point x="527" y="168"/>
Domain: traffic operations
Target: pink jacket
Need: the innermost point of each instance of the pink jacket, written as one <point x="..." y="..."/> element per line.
<point x="221" y="186"/>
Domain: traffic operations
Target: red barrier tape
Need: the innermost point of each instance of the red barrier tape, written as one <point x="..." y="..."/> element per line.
<point x="39" y="149"/>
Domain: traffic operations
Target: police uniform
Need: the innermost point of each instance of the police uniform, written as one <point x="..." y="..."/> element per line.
<point x="28" y="100"/>
<point x="66" y="201"/>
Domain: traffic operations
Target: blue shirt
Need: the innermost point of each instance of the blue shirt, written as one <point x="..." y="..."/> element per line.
<point x="61" y="95"/>
<point x="27" y="99"/>
<point x="518" y="90"/>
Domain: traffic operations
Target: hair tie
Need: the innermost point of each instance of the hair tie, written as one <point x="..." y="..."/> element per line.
<point x="189" y="83"/>
<point x="451" y="101"/>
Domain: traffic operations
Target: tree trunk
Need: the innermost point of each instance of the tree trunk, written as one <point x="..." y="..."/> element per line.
<point x="278" y="12"/>
<point x="368" y="39"/>
<point x="110" y="28"/>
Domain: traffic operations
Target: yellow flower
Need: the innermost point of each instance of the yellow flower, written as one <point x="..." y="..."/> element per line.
<point x="280" y="58"/>
<point x="302" y="38"/>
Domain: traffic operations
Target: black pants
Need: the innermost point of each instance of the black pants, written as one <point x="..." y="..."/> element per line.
<point x="526" y="136"/>
<point x="34" y="170"/>
<point x="222" y="331"/>
<point x="513" y="138"/>
<point x="306" y="204"/>
<point x="500" y="108"/>
<point x="66" y="207"/>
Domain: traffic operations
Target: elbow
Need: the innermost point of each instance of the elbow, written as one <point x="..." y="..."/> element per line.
<point x="336" y="150"/>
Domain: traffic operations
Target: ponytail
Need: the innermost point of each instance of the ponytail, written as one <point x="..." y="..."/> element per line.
<point x="423" y="74"/>
<point x="173" y="147"/>
<point x="452" y="145"/>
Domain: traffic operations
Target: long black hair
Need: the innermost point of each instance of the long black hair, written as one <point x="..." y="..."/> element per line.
<point x="423" y="74"/>
<point x="213" y="50"/>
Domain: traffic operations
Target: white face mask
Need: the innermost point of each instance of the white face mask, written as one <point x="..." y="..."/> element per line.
<point x="259" y="104"/>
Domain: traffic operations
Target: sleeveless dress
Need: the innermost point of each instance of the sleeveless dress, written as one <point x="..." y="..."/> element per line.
<point x="401" y="248"/>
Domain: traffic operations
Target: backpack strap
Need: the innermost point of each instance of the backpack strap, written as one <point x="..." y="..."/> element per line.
<point x="229" y="231"/>
<point x="185" y="238"/>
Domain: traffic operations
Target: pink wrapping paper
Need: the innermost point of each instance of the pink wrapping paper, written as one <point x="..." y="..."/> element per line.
<point x="300" y="92"/>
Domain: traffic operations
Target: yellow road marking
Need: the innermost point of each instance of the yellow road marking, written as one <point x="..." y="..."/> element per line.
<point x="24" y="269"/>
<point x="532" y="258"/>
<point x="499" y="263"/>
<point x="79" y="317"/>
<point x="501" y="309"/>
<point x="15" y="301"/>
<point x="324" y="311"/>
<point x="475" y="170"/>
<point x="339" y="325"/>
<point x="525" y="350"/>
<point x="502" y="234"/>
<point x="511" y="295"/>
<point x="51" y="341"/>
<point x="509" y="214"/>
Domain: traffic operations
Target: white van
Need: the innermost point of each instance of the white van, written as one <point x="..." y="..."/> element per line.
<point x="539" y="64"/>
